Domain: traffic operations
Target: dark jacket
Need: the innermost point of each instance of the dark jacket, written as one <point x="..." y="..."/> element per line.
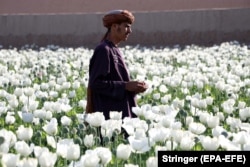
<point x="107" y="77"/>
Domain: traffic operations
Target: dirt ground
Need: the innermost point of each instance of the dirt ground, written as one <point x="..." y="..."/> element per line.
<point x="92" y="6"/>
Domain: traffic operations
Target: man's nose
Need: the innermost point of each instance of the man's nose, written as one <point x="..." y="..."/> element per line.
<point x="130" y="30"/>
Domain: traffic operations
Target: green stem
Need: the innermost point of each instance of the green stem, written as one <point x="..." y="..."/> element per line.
<point x="65" y="162"/>
<point x="172" y="144"/>
<point x="140" y="159"/>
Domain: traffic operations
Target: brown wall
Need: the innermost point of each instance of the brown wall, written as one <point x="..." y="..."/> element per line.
<point x="92" y="6"/>
<point x="205" y="27"/>
<point x="169" y="22"/>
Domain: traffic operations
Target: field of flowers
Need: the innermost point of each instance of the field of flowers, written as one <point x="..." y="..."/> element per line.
<point x="198" y="99"/>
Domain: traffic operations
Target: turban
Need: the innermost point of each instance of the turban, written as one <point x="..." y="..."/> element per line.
<point x="117" y="16"/>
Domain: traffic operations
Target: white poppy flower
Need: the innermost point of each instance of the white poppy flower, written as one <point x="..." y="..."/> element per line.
<point x="156" y="96"/>
<point x="209" y="100"/>
<point x="65" y="120"/>
<point x="196" y="128"/>
<point x="123" y="151"/>
<point x="228" y="106"/>
<point x="110" y="126"/>
<point x="89" y="140"/>
<point x="90" y="158"/>
<point x="241" y="104"/>
<point x="140" y="145"/>
<point x="29" y="91"/>
<point x="62" y="147"/>
<point x="13" y="102"/>
<point x="202" y="103"/>
<point x="18" y="91"/>
<point x="72" y="94"/>
<point x="38" y="150"/>
<point x="246" y="147"/>
<point x="138" y="111"/>
<point x="203" y="117"/>
<point x="130" y="124"/>
<point x="23" y="148"/>
<point x="66" y="107"/>
<point x="178" y="103"/>
<point x="47" y="159"/>
<point x="210" y="144"/>
<point x="228" y="145"/>
<point x="95" y="119"/>
<point x="10" y="159"/>
<point x="33" y="105"/>
<point x="187" y="143"/>
<point x="53" y="94"/>
<point x="104" y="154"/>
<point x="66" y="85"/>
<point x="213" y="121"/>
<point x="241" y="137"/>
<point x="159" y="134"/>
<point x="28" y="162"/>
<point x="27" y="117"/>
<point x="82" y="103"/>
<point x="73" y="152"/>
<point x="171" y="145"/>
<point x="152" y="162"/>
<point x="61" y="80"/>
<point x="218" y="130"/>
<point x="49" y="115"/>
<point x="234" y="123"/>
<point x="163" y="88"/>
<point x="51" y="127"/>
<point x="24" y="133"/>
<point x="44" y="86"/>
<point x="9" y="140"/>
<point x="10" y="119"/>
<point x="52" y="83"/>
<point x="115" y="115"/>
<point x="244" y="113"/>
<point x="51" y="141"/>
<point x="40" y="113"/>
<point x="189" y="120"/>
<point x="76" y="84"/>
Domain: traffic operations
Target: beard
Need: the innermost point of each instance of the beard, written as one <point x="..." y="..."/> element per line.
<point x="123" y="35"/>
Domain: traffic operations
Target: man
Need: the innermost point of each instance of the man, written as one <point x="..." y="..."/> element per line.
<point x="110" y="87"/>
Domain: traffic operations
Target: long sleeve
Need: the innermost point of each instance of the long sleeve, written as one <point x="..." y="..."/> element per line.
<point x="104" y="77"/>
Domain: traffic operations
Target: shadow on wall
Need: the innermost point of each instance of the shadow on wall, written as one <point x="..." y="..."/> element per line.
<point x="159" y="39"/>
<point x="154" y="39"/>
<point x="88" y="41"/>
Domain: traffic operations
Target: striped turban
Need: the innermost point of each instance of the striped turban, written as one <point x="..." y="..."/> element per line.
<point x="117" y="16"/>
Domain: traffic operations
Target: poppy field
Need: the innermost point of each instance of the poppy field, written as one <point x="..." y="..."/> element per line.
<point x="198" y="98"/>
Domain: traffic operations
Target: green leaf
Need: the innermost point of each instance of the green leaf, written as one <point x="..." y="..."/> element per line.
<point x="1" y="140"/>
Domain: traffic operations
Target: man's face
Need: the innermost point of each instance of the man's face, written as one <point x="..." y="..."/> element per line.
<point x="122" y="31"/>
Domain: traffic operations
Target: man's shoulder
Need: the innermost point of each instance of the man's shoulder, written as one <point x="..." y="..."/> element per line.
<point x="102" y="46"/>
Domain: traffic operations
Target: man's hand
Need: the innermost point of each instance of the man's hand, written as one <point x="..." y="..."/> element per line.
<point x="136" y="86"/>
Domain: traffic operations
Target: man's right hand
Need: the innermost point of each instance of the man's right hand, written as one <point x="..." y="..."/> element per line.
<point x="136" y="86"/>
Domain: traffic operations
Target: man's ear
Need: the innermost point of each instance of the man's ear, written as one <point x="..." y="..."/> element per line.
<point x="114" y="25"/>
